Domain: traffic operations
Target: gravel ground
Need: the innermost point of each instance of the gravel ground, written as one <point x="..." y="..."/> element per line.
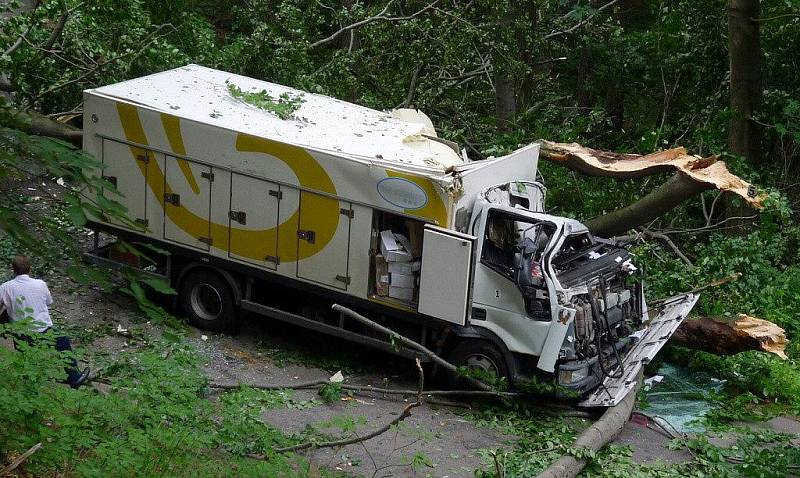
<point x="266" y="353"/>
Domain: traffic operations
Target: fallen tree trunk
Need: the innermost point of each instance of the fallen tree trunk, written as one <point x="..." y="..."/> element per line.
<point x="723" y="336"/>
<point x="652" y="206"/>
<point x="595" y="437"/>
<point x="34" y="123"/>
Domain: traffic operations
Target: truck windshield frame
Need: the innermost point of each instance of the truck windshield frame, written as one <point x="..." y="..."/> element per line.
<point x="505" y="235"/>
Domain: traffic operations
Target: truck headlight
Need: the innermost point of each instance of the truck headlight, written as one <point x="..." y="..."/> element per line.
<point x="566" y="377"/>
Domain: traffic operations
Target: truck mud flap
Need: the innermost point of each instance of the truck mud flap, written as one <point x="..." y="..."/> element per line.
<point x="648" y="343"/>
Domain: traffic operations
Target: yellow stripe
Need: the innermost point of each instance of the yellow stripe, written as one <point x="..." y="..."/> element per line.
<point x="172" y="126"/>
<point x="435" y="210"/>
<point x="319" y="212"/>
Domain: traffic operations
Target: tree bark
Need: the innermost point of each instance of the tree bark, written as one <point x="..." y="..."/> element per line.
<point x="505" y="101"/>
<point x="35" y="123"/>
<point x="655" y="204"/>
<point x="595" y="437"/>
<point x="730" y="336"/>
<point x="745" y="67"/>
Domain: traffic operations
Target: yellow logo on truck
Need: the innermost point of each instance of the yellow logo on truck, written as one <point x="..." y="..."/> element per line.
<point x="317" y="210"/>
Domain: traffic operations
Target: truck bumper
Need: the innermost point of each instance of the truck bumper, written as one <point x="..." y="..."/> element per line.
<point x="648" y="342"/>
<point x="586" y="376"/>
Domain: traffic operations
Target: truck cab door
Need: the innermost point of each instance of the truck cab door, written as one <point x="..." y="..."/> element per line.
<point x="446" y="274"/>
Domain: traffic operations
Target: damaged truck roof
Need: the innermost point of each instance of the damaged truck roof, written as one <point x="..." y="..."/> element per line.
<point x="404" y="138"/>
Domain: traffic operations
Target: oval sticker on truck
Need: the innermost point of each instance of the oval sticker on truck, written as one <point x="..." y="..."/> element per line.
<point x="402" y="193"/>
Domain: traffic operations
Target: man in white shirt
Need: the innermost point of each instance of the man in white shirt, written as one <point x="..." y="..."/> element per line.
<point x="24" y="297"/>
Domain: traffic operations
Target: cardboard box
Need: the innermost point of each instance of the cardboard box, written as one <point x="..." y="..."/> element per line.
<point x="404" y="242"/>
<point x="404" y="267"/>
<point x="381" y="276"/>
<point x="388" y="243"/>
<point x="401" y="280"/>
<point x="402" y="293"/>
<point x="391" y="250"/>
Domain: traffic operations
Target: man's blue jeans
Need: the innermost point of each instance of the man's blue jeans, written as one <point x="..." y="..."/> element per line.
<point x="62" y="345"/>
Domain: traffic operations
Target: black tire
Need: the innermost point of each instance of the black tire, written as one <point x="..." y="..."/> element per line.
<point x="479" y="354"/>
<point x="207" y="300"/>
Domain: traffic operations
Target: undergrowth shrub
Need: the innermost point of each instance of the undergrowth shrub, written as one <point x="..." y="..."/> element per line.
<point x="152" y="422"/>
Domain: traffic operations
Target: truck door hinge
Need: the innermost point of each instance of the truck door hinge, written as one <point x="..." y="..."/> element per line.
<point x="238" y="216"/>
<point x="205" y="240"/>
<point x="274" y="259"/>
<point x="307" y="236"/>
<point x="141" y="222"/>
<point x="209" y="176"/>
<point x="347" y="212"/>
<point x="143" y="158"/>
<point x="172" y="198"/>
<point x="276" y="194"/>
<point x="345" y="279"/>
<point x="111" y="179"/>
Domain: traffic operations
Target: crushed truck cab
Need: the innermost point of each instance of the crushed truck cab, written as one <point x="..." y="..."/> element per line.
<point x="284" y="216"/>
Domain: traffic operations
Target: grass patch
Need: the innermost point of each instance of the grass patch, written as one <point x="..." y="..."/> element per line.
<point x="153" y="421"/>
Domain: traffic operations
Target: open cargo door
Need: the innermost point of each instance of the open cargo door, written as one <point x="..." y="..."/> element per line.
<point x="446" y="275"/>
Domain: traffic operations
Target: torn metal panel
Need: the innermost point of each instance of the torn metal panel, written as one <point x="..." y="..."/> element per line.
<point x="710" y="172"/>
<point x="648" y="343"/>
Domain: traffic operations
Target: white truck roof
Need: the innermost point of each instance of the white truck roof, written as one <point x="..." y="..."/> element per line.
<point x="201" y="94"/>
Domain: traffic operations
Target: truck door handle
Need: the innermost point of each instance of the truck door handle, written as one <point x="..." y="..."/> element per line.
<point x="306" y="236"/>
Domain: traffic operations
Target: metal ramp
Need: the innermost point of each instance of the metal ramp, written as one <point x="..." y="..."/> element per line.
<point x="648" y="342"/>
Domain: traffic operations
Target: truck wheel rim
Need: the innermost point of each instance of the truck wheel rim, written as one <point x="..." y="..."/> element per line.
<point x="482" y="362"/>
<point x="206" y="302"/>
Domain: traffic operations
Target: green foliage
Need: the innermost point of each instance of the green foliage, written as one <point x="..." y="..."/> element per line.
<point x="283" y="107"/>
<point x="152" y="421"/>
<point x="330" y="392"/>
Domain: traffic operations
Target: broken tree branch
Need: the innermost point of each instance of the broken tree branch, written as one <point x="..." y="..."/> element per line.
<point x="410" y="343"/>
<point x="697" y="290"/>
<point x="369" y="389"/>
<point x="665" y="238"/>
<point x="692" y="176"/>
<point x="20" y="459"/>
<point x="34" y="123"/>
<point x="57" y="31"/>
<point x="726" y="336"/>
<point x="359" y="439"/>
<point x="595" y="437"/>
<point x="375" y="18"/>
<point x="581" y="23"/>
<point x="135" y="52"/>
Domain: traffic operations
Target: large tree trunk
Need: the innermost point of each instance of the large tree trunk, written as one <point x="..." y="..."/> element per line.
<point x="505" y="101"/>
<point x="745" y="63"/>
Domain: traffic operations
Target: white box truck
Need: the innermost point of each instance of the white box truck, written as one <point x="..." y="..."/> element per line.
<point x="282" y="213"/>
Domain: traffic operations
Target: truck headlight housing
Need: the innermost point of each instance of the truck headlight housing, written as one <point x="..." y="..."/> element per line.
<point x="570" y="376"/>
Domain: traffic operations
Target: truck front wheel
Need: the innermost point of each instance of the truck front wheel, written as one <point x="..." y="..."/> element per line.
<point x="207" y="301"/>
<point x="481" y="357"/>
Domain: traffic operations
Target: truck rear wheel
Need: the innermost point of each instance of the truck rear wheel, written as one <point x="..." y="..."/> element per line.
<point x="480" y="356"/>
<point x="207" y="301"/>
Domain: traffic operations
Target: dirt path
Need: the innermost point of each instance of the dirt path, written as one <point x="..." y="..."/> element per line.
<point x="432" y="442"/>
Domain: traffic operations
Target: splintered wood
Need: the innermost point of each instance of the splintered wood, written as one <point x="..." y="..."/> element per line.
<point x="708" y="171"/>
<point x="771" y="337"/>
<point x="730" y="336"/>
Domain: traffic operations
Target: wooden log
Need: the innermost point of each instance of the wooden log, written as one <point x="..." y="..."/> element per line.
<point x="595" y="437"/>
<point x="729" y="336"/>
